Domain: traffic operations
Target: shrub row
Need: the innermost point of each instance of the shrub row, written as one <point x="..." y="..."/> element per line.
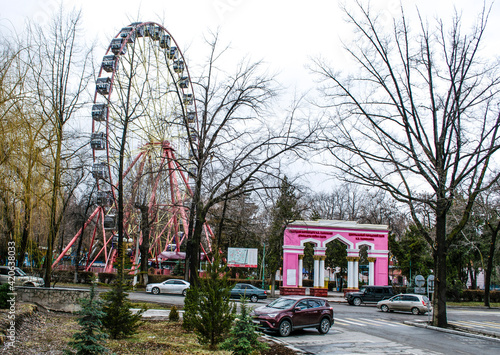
<point x="478" y="296"/>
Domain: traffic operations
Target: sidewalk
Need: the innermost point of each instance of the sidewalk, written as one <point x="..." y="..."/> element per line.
<point x="336" y="297"/>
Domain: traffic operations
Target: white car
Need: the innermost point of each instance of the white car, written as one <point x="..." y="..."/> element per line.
<point x="416" y="304"/>
<point x="20" y="277"/>
<point x="169" y="286"/>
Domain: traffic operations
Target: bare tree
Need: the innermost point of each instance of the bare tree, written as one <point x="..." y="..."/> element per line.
<point x="23" y="160"/>
<point x="61" y="69"/>
<point x="239" y="140"/>
<point x="419" y="119"/>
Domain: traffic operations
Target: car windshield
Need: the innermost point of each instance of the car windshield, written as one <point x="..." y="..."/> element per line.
<point x="20" y="272"/>
<point x="282" y="303"/>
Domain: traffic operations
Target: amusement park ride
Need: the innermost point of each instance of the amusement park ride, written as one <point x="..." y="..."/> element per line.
<point x="144" y="108"/>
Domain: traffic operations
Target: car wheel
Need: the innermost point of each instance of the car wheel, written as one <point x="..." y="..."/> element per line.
<point x="184" y="292"/>
<point x="384" y="308"/>
<point x="324" y="326"/>
<point x="285" y="328"/>
<point x="356" y="301"/>
<point x="254" y="298"/>
<point x="415" y="311"/>
<point x="155" y="290"/>
<point x="29" y="284"/>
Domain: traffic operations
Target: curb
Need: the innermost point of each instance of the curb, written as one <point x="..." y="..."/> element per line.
<point x="465" y="332"/>
<point x="269" y="338"/>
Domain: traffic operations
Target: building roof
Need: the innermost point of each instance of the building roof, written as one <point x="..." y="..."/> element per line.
<point x="325" y="223"/>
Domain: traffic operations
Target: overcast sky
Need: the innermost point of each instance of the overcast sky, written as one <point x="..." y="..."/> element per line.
<point x="286" y="34"/>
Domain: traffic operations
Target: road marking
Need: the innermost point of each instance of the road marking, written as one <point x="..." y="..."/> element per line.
<point x="362" y="321"/>
<point x="382" y="322"/>
<point x="351" y="322"/>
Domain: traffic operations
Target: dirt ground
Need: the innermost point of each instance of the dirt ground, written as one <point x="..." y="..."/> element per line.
<point x="49" y="332"/>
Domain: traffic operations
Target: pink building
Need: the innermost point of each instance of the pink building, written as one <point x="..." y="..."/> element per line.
<point x="320" y="233"/>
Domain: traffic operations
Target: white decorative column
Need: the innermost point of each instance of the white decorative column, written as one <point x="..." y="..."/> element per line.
<point x="356" y="272"/>
<point x="371" y="271"/>
<point x="349" y="273"/>
<point x="352" y="268"/>
<point x="301" y="267"/>
<point x="322" y="271"/>
<point x="316" y="271"/>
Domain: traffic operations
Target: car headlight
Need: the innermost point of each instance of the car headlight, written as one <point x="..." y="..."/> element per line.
<point x="272" y="315"/>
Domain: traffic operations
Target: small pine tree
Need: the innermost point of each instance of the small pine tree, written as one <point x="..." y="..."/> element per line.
<point x="90" y="339"/>
<point x="119" y="320"/>
<point x="190" y="317"/>
<point x="243" y="337"/>
<point x="208" y="309"/>
<point x="173" y="316"/>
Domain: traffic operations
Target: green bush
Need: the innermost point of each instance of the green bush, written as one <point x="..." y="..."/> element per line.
<point x="173" y="316"/>
<point x="4" y="290"/>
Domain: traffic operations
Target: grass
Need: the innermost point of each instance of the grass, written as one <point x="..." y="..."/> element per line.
<point x="50" y="332"/>
<point x="161" y="337"/>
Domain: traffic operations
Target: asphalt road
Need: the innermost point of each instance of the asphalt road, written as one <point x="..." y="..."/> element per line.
<point x="366" y="330"/>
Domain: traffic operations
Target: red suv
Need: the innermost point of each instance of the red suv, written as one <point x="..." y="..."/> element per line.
<point x="288" y="313"/>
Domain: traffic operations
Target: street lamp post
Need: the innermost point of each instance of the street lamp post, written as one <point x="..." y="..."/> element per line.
<point x="263" y="264"/>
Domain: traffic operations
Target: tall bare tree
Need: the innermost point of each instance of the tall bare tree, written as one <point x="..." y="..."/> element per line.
<point x="239" y="141"/>
<point x="61" y="68"/>
<point x="419" y="119"/>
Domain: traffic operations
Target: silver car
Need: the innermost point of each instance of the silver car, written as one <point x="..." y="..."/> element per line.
<point x="20" y="277"/>
<point x="416" y="304"/>
<point x="169" y="286"/>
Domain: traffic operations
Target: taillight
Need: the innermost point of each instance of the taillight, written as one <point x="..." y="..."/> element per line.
<point x="423" y="302"/>
<point x="265" y="292"/>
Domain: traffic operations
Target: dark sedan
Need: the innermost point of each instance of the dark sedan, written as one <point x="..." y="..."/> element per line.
<point x="248" y="291"/>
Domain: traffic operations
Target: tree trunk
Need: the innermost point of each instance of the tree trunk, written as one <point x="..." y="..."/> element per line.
<point x="144" y="247"/>
<point x="53" y="207"/>
<point x="489" y="265"/>
<point x="193" y="250"/>
<point x="439" y="301"/>
<point x="27" y="220"/>
<point x="25" y="236"/>
<point x="78" y="252"/>
<point x="196" y="219"/>
<point x="472" y="276"/>
<point x="273" y="281"/>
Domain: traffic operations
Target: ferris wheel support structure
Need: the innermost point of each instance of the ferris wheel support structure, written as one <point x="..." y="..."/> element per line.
<point x="143" y="64"/>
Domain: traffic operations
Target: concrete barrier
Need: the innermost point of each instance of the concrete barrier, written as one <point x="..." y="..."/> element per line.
<point x="53" y="298"/>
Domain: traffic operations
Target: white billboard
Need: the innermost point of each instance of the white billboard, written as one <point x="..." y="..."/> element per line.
<point x="241" y="257"/>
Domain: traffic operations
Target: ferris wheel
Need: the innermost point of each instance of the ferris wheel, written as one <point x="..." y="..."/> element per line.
<point x="144" y="116"/>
